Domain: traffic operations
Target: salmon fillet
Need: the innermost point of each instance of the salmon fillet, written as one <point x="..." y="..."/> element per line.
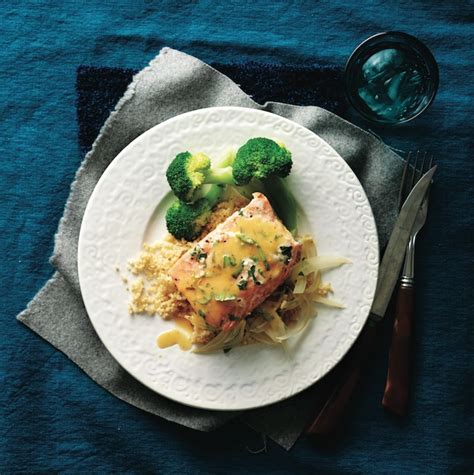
<point x="238" y="265"/>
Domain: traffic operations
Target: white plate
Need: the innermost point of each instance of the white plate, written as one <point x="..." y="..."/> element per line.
<point x="126" y="209"/>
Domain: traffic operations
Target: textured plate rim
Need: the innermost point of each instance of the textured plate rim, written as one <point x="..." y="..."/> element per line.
<point x="104" y="177"/>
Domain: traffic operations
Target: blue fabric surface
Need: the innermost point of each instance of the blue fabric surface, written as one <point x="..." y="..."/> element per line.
<point x="99" y="89"/>
<point x="53" y="417"/>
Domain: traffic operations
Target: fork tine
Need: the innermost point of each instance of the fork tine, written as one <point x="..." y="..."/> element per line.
<point x="431" y="163"/>
<point x="422" y="168"/>
<point x="414" y="172"/>
<point x="401" y="194"/>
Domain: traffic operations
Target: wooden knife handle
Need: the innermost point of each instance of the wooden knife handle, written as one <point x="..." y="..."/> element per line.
<point x="397" y="387"/>
<point x="327" y="421"/>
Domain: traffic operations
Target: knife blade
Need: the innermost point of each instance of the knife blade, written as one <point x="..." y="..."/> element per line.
<point x="395" y="250"/>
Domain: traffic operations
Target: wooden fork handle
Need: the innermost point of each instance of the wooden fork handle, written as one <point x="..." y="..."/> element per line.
<point x="397" y="387"/>
<point x="328" y="420"/>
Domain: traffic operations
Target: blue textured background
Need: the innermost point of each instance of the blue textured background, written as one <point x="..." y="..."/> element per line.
<point x="53" y="417"/>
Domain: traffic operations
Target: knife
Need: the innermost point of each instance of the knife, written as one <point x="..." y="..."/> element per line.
<point x="328" y="418"/>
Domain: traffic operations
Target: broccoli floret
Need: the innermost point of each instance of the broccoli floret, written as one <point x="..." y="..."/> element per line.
<point x="261" y="158"/>
<point x="186" y="220"/>
<point x="188" y="172"/>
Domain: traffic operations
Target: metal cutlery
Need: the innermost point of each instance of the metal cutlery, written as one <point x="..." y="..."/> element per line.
<point x="328" y="418"/>
<point x="396" y="392"/>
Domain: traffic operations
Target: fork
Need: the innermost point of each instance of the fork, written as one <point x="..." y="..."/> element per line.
<point x="396" y="392"/>
<point x="341" y="385"/>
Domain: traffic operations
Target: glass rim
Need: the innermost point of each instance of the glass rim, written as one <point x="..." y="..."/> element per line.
<point x="416" y="44"/>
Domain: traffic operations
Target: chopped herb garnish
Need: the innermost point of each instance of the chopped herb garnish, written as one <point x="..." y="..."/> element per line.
<point x="224" y="297"/>
<point x="252" y="275"/>
<point x="254" y="258"/>
<point x="198" y="253"/>
<point x="241" y="213"/>
<point x="201" y="313"/>
<point x="229" y="261"/>
<point x="245" y="239"/>
<point x="261" y="273"/>
<point x="204" y="301"/>
<point x="301" y="273"/>
<point x="237" y="272"/>
<point x="264" y="259"/>
<point x="242" y="285"/>
<point x="226" y="350"/>
<point x="286" y="253"/>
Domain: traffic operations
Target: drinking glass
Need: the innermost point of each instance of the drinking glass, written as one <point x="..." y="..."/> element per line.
<point x="391" y="78"/>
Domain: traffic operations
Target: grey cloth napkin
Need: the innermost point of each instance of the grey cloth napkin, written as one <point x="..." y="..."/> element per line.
<point x="172" y="84"/>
